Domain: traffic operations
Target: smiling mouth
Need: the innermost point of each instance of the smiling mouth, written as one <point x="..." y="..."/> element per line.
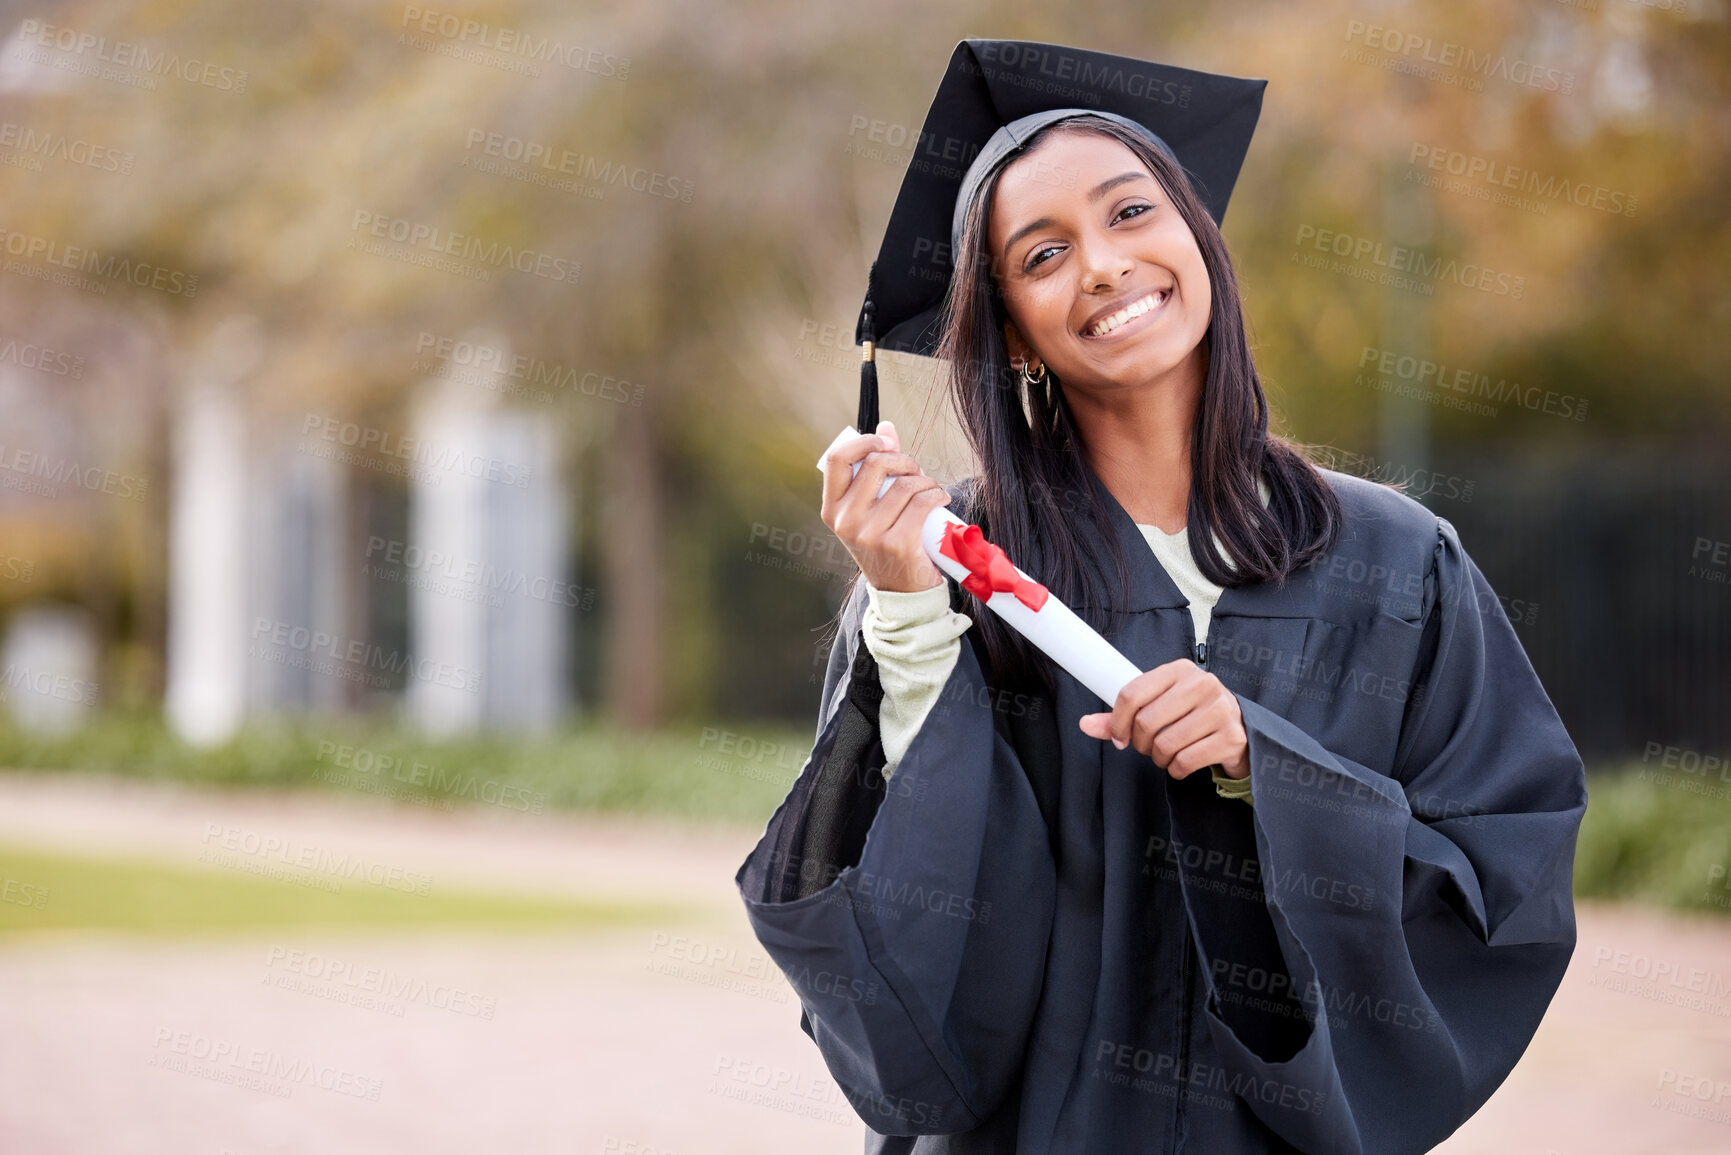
<point x="1118" y="319"/>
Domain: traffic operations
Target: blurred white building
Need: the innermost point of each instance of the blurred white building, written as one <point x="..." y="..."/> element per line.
<point x="276" y="576"/>
<point x="48" y="666"/>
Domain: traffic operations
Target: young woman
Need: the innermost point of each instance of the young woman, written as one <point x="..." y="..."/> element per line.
<point x="1306" y="884"/>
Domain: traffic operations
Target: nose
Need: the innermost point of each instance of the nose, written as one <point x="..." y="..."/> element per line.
<point x="1105" y="261"/>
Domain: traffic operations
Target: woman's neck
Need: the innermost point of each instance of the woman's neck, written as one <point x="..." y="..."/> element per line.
<point x="1137" y="442"/>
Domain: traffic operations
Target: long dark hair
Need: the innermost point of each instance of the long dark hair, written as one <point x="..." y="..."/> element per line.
<point x="1033" y="481"/>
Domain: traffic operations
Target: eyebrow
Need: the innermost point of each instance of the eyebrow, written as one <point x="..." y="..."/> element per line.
<point x="1094" y="194"/>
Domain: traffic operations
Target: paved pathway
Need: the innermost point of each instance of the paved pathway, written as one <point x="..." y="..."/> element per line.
<point x="673" y="1039"/>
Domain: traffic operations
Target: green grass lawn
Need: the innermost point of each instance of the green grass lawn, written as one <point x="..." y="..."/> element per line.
<point x="40" y="892"/>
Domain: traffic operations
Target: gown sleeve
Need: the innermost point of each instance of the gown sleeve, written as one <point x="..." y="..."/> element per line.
<point x="1420" y="913"/>
<point x="911" y="917"/>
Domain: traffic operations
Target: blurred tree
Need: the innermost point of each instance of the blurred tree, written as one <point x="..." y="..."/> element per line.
<point x="703" y="303"/>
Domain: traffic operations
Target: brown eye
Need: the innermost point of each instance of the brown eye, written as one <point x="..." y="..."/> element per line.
<point x="1039" y="257"/>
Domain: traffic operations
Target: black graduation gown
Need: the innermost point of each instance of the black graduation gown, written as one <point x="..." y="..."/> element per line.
<point x="1030" y="941"/>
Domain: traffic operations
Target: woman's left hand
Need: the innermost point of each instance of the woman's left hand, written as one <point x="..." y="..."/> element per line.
<point x="1182" y="717"/>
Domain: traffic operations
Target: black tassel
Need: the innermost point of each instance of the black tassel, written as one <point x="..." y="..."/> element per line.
<point x="868" y="370"/>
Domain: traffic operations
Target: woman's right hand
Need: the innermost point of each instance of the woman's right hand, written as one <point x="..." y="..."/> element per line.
<point x="882" y="533"/>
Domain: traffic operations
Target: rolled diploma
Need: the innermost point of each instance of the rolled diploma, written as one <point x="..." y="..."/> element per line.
<point x="1054" y="628"/>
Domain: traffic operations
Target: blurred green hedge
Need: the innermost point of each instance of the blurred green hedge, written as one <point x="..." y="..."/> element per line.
<point x="1663" y="839"/>
<point x="735" y="775"/>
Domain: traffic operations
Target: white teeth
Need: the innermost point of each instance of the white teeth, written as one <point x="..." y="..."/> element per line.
<point x="1134" y="309"/>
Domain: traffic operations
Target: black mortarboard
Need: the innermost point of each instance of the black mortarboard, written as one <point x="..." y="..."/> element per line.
<point x="994" y="95"/>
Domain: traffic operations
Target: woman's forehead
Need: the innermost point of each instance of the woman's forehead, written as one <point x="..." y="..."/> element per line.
<point x="1059" y="170"/>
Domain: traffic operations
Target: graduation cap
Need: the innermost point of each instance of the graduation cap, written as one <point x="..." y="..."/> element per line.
<point x="994" y="96"/>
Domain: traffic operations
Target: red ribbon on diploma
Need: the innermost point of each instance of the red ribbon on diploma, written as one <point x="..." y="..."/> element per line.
<point x="989" y="571"/>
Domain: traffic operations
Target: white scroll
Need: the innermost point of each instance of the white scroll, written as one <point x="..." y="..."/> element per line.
<point x="960" y="550"/>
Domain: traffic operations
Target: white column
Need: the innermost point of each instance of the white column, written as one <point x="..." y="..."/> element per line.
<point x="495" y="516"/>
<point x="447" y="521"/>
<point x="528" y="544"/>
<point x="207" y="579"/>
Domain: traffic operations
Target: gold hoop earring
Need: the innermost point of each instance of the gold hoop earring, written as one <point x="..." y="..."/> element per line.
<point x="1030" y="380"/>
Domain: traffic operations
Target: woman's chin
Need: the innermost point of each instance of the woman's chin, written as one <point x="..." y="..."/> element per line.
<point x="1133" y="364"/>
